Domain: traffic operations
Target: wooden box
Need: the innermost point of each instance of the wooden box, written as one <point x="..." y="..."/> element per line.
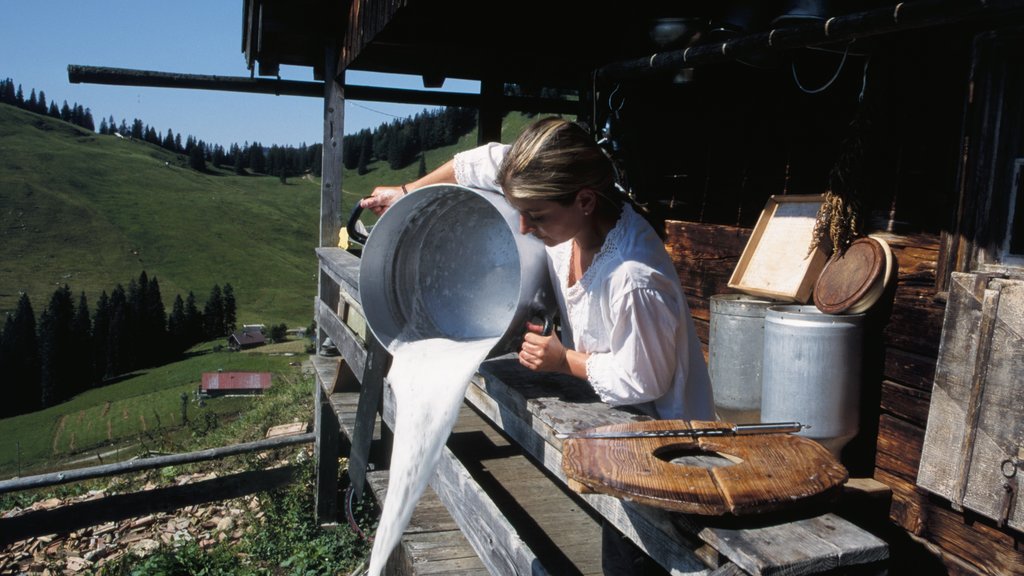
<point x="777" y="262"/>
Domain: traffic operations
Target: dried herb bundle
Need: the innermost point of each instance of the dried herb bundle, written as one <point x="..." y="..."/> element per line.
<point x="838" y="222"/>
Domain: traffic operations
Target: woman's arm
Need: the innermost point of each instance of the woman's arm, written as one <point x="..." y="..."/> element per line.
<point x="477" y="168"/>
<point x="384" y="196"/>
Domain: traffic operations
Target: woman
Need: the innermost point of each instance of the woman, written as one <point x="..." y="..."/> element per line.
<point x="626" y="326"/>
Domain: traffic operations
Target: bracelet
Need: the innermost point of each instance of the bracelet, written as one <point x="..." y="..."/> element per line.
<point x="404" y="189"/>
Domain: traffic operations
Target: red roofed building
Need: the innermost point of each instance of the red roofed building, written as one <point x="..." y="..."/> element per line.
<point x="224" y="383"/>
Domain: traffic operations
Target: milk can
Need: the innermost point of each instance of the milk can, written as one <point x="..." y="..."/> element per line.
<point x="447" y="261"/>
<point x="735" y="349"/>
<point x="811" y="372"/>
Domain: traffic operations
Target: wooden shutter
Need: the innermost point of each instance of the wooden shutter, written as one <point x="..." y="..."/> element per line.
<point x="973" y="443"/>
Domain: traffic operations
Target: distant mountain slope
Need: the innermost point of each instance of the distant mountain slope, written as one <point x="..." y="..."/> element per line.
<point x="92" y="211"/>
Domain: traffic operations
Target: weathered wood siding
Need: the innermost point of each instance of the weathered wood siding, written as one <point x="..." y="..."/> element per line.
<point x="893" y="427"/>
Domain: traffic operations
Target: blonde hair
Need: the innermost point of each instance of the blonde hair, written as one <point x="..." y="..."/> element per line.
<point x="553" y="159"/>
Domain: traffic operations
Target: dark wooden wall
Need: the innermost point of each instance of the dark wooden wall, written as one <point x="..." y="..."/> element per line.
<point x="718" y="150"/>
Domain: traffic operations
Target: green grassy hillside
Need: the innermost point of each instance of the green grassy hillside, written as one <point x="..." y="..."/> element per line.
<point x="92" y="211"/>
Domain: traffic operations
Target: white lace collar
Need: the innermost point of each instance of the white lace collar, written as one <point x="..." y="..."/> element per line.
<point x="609" y="247"/>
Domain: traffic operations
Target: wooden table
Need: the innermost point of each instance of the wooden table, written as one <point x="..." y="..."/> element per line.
<point x="529" y="410"/>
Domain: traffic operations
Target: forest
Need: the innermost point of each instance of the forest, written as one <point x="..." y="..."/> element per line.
<point x="69" y="349"/>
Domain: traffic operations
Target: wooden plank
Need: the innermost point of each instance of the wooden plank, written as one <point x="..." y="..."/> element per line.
<point x="801" y="548"/>
<point x="998" y="443"/>
<point x="902" y="441"/>
<point x="977" y="543"/>
<point x="349" y="346"/>
<point x="705" y="256"/>
<point x="117" y="507"/>
<point x="341" y="266"/>
<point x="909" y="369"/>
<point x="370" y="398"/>
<point x="954" y="374"/>
<point x="326" y="451"/>
<point x="905" y="402"/>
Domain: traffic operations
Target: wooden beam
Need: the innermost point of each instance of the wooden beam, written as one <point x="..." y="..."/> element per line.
<point x="78" y="74"/>
<point x="117" y="507"/>
<point x="66" y="476"/>
<point x="127" y="77"/>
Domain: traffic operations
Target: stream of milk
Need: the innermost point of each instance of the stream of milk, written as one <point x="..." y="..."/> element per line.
<point x="429" y="379"/>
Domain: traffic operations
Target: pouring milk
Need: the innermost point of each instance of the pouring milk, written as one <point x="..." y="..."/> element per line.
<point x="429" y="380"/>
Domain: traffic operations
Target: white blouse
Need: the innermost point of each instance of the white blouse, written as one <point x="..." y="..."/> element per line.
<point x="628" y="312"/>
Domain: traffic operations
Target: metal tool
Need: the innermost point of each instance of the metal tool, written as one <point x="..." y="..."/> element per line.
<point x="734" y="430"/>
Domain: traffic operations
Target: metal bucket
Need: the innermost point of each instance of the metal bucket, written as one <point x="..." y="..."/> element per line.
<point x="811" y="372"/>
<point x="448" y="261"/>
<point x="735" y="349"/>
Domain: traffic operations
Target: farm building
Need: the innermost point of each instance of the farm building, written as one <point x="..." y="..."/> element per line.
<point x="246" y="338"/>
<point x="901" y="120"/>
<point x="234" y="383"/>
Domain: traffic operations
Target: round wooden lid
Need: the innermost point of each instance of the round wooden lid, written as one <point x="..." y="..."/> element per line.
<point x="755" y="473"/>
<point x="848" y="279"/>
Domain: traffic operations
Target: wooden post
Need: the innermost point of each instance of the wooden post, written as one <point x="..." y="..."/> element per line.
<point x="326" y="448"/>
<point x="371" y="397"/>
<point x="490" y="111"/>
<point x="327" y="427"/>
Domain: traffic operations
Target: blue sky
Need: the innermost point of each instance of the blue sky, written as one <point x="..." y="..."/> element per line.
<point x="39" y="39"/>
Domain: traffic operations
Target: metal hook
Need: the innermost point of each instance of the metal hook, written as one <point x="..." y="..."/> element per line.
<point x="622" y="102"/>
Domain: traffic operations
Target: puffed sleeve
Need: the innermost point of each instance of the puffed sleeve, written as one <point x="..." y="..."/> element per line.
<point x="641" y="364"/>
<point x="478" y="167"/>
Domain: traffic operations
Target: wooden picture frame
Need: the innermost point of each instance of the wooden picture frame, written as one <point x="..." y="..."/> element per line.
<point x="777" y="261"/>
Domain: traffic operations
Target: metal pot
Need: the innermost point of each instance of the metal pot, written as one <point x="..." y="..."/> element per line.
<point x="447" y="261"/>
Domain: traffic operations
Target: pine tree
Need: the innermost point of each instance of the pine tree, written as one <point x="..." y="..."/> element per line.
<point x="364" y="157"/>
<point x="213" y="314"/>
<point x="423" y="165"/>
<point x="156" y="324"/>
<point x="117" y="333"/>
<point x="239" y="168"/>
<point x="87" y="121"/>
<point x="56" y="381"/>
<point x="22" y="351"/>
<point x="81" y="346"/>
<point x="177" y="334"/>
<point x="193" y="321"/>
<point x="100" y="337"/>
<point x="196" y="159"/>
<point x="230" y="309"/>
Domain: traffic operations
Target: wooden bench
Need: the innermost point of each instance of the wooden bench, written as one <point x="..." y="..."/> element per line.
<point x="500" y="477"/>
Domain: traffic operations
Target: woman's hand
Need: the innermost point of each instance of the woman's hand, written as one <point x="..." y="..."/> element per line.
<point x="543" y="353"/>
<point x="382" y="198"/>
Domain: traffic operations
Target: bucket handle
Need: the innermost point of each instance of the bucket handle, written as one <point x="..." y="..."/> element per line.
<point x="546" y="321"/>
<point x="353" y="232"/>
